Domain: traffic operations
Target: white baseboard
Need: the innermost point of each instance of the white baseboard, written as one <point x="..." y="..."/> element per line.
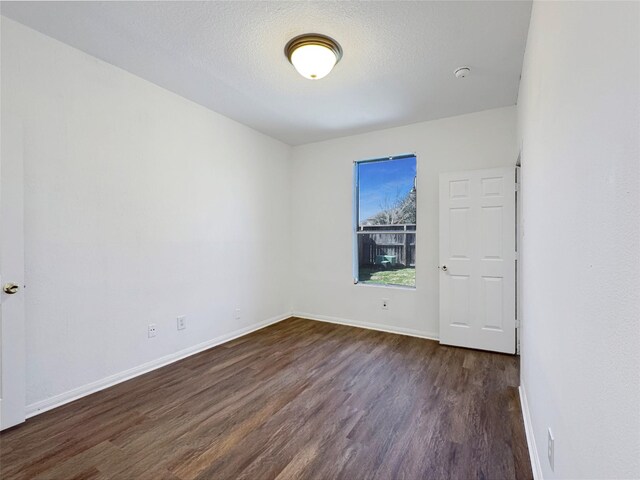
<point x="79" y="392"/>
<point x="370" y="326"/>
<point x="531" y="441"/>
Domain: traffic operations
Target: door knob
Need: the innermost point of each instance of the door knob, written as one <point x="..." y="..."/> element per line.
<point x="444" y="268"/>
<point x="10" y="288"/>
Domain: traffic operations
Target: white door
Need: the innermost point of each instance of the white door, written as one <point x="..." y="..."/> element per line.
<point x="12" y="331"/>
<point x="477" y="259"/>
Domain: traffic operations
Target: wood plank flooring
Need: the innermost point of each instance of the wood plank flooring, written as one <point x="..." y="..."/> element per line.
<point x="296" y="400"/>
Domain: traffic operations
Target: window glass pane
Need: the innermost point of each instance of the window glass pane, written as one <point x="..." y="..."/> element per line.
<point x="386" y="216"/>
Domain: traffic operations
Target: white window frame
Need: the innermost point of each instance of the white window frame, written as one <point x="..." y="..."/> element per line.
<point x="356" y="222"/>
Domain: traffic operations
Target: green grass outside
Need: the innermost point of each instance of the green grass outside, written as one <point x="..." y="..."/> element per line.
<point x="400" y="276"/>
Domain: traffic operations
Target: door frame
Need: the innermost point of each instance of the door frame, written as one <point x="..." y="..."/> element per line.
<point x="519" y="234"/>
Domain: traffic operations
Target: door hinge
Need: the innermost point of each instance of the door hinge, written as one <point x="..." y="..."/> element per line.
<point x="517" y="187"/>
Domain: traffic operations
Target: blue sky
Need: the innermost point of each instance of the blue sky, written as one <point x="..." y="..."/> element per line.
<point x="382" y="182"/>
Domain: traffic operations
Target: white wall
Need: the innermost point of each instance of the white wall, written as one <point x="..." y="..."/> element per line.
<point x="140" y="206"/>
<point x="322" y="220"/>
<point x="579" y="120"/>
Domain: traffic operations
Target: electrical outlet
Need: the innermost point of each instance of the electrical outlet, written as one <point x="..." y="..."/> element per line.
<point x="550" y="452"/>
<point x="237" y="314"/>
<point x="385" y="304"/>
<point x="151" y="330"/>
<point x="182" y="322"/>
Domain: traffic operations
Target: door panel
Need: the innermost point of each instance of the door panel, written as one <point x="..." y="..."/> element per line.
<point x="459" y="235"/>
<point x="477" y="259"/>
<point x="491" y="228"/>
<point x="492" y="300"/>
<point x="12" y="327"/>
<point x="459" y="300"/>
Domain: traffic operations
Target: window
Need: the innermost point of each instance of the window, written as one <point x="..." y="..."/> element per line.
<point x="385" y="221"/>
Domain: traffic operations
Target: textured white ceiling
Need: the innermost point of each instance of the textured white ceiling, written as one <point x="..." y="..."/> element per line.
<point x="397" y="68"/>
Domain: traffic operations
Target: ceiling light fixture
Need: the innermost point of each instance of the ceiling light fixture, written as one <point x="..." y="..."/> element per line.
<point x="313" y="55"/>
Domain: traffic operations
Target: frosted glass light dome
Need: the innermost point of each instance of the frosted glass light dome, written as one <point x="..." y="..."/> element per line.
<point x="313" y="55"/>
<point x="313" y="61"/>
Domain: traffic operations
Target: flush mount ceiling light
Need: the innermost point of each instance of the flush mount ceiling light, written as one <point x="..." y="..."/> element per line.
<point x="313" y="55"/>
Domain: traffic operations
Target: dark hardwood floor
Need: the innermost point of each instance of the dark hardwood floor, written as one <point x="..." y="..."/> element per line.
<point x="297" y="400"/>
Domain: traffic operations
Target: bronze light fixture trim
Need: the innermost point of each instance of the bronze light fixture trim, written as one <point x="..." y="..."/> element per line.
<point x="313" y="55"/>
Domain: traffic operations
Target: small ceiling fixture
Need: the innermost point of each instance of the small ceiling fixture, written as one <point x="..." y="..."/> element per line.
<point x="313" y="55"/>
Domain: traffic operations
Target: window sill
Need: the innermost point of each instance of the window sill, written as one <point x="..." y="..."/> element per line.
<point x="384" y="285"/>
